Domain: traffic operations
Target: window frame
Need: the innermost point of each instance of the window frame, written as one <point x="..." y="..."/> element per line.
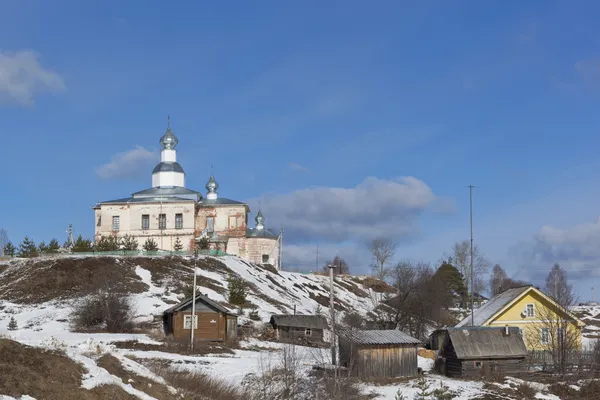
<point x="116" y="227"/>
<point x="545" y="336"/>
<point x="263" y="258"/>
<point x="211" y="225"/>
<point x="307" y="332"/>
<point x="146" y="220"/>
<point x="532" y="315"/>
<point x="187" y="322"/>
<point x="162" y="221"/>
<point x="179" y="221"/>
<point x="478" y="364"/>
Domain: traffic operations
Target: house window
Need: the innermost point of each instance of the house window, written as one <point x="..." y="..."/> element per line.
<point x="115" y="223"/>
<point x="477" y="364"/>
<point x="145" y="222"/>
<point x="232" y="222"/>
<point x="187" y="322"/>
<point x="162" y="221"/>
<point x="265" y="258"/>
<point x="210" y="224"/>
<point x="530" y="311"/>
<point x="308" y="332"/>
<point x="545" y="339"/>
<point x="178" y="221"/>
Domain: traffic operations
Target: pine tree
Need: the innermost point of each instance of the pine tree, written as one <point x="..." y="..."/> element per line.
<point x="53" y="247"/>
<point x="178" y="246"/>
<point x="12" y="325"/>
<point x="150" y="245"/>
<point x="82" y="245"/>
<point x="9" y="249"/>
<point x="423" y="386"/>
<point x="42" y="248"/>
<point x="129" y="243"/>
<point x="107" y="243"/>
<point x="203" y="243"/>
<point x="237" y="290"/>
<point x="27" y="248"/>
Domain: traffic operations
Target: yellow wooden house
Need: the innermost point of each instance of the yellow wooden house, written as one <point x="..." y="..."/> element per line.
<point x="542" y="321"/>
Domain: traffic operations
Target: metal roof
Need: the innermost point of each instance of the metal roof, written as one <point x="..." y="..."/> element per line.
<point x="487" y="342"/>
<point x="219" y="201"/>
<point x="300" y="321"/>
<point x="493" y="306"/>
<point x="376" y="337"/>
<point x="166" y="191"/>
<point x="261" y="233"/>
<point x="202" y="298"/>
<point x="168" y="166"/>
<point x="128" y="200"/>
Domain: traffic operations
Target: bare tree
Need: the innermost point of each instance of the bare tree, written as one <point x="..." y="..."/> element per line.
<point x="558" y="287"/>
<point x="499" y="281"/>
<point x="461" y="259"/>
<point x="340" y="266"/>
<point x="383" y="251"/>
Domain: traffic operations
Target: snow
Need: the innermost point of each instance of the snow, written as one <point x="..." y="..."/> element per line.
<point x="426" y="364"/>
<point x="466" y="389"/>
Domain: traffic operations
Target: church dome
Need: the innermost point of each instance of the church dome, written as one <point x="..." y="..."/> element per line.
<point x="212" y="186"/>
<point x="166" y="166"/>
<point x="168" y="141"/>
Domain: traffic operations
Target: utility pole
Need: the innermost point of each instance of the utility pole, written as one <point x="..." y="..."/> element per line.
<point x="194" y="301"/>
<point x="317" y="263"/>
<point x="471" y="257"/>
<point x="333" y="338"/>
<point x="281" y="250"/>
<point x="592" y="294"/>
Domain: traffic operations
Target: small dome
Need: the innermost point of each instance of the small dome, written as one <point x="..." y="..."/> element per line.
<point x="167" y="166"/>
<point x="168" y="141"/>
<point x="260" y="220"/>
<point x="212" y="186"/>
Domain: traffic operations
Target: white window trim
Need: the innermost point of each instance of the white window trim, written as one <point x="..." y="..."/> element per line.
<point x="187" y="321"/>
<point x="547" y="337"/>
<point x="116" y="227"/>
<point x="179" y="221"/>
<point x="532" y="308"/>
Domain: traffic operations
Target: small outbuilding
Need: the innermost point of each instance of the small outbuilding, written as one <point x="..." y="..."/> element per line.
<point x="378" y="353"/>
<point x="299" y="328"/>
<point x="476" y="352"/>
<point x="213" y="322"/>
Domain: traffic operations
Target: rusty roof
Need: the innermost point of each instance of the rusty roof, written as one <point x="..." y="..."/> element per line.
<point x="300" y="321"/>
<point x="487" y="342"/>
<point x="378" y="337"/>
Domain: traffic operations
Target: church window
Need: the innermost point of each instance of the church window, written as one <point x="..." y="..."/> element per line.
<point x="178" y="221"/>
<point x="210" y="224"/>
<point x="162" y="221"/>
<point x="145" y="221"/>
<point x="232" y="222"/>
<point x="115" y="223"/>
<point x="265" y="258"/>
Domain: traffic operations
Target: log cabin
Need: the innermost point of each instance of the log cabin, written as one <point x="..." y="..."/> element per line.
<point x="213" y="322"/>
<point x="378" y="353"/>
<point x="299" y="328"/>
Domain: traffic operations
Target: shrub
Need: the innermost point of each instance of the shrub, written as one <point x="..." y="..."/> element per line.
<point x="107" y="243"/>
<point x="9" y="249"/>
<point x="82" y="245"/>
<point x="526" y="391"/>
<point x="150" y="245"/>
<point x="27" y="248"/>
<point x="203" y="243"/>
<point x="253" y="315"/>
<point x="104" y="310"/>
<point x="129" y="243"/>
<point x="12" y="325"/>
<point x="177" y="246"/>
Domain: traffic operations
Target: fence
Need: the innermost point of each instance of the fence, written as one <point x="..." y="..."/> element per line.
<point x="138" y="253"/>
<point x="572" y="361"/>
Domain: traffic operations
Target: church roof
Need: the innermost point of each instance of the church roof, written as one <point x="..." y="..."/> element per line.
<point x="219" y="201"/>
<point x="167" y="191"/>
<point x="168" y="166"/>
<point x="261" y="233"/>
<point x="129" y="200"/>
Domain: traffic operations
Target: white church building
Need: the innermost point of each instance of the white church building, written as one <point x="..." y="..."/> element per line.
<point x="168" y="210"/>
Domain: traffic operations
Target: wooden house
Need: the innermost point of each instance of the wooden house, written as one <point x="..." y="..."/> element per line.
<point x="531" y="310"/>
<point x="378" y="353"/>
<point x="299" y="328"/>
<point x="475" y="352"/>
<point x="213" y="322"/>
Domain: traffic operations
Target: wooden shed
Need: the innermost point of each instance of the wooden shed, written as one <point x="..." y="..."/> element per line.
<point x="476" y="352"/>
<point x="213" y="322"/>
<point x="378" y="353"/>
<point x="299" y="328"/>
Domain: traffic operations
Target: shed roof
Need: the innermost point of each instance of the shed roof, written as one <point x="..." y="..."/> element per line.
<point x="489" y="309"/>
<point x="487" y="342"/>
<point x="202" y="298"/>
<point x="300" y="321"/>
<point x="376" y="337"/>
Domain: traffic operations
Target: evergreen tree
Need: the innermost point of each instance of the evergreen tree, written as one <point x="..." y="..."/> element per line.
<point x="82" y="245"/>
<point x="12" y="325"/>
<point x="107" y="243"/>
<point x="53" y="247"/>
<point x="424" y="392"/>
<point x="27" y="248"/>
<point x="451" y="283"/>
<point x="237" y="290"/>
<point x="150" y="245"/>
<point x="9" y="249"/>
<point x="129" y="243"/>
<point x="178" y="246"/>
<point x="203" y="243"/>
<point x="42" y="248"/>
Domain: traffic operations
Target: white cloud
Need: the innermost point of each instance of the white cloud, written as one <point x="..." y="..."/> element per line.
<point x="129" y="164"/>
<point x="575" y="248"/>
<point x="22" y="77"/>
<point x="374" y="207"/>
<point x="297" y="167"/>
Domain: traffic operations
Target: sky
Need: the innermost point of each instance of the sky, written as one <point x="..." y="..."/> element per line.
<point x="347" y="120"/>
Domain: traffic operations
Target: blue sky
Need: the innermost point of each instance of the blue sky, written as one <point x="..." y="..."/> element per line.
<point x="319" y="110"/>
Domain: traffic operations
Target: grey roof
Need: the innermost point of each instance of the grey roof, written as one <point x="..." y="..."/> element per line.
<point x="300" y="321"/>
<point x="219" y="201"/>
<point x="261" y="233"/>
<point x="489" y="309"/>
<point x="202" y="298"/>
<point x="129" y="200"/>
<point x="168" y="166"/>
<point x="376" y="337"/>
<point x="487" y="342"/>
<point x="168" y="191"/>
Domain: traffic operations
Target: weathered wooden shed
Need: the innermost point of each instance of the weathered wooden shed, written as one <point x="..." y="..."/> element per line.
<point x="299" y="328"/>
<point x="378" y="353"/>
<point x="476" y="352"/>
<point x="436" y="339"/>
<point x="213" y="321"/>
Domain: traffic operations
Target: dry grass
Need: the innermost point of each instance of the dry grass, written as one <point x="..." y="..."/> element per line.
<point x="178" y="347"/>
<point x="375" y="284"/>
<point x="48" y="375"/>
